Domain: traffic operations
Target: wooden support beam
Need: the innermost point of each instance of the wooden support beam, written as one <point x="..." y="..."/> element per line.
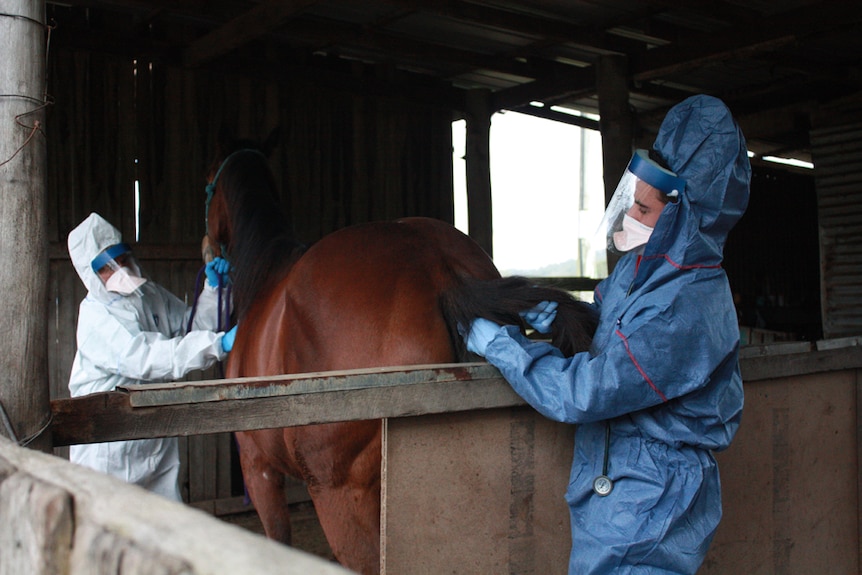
<point x="259" y="21"/>
<point x="24" y="393"/>
<point x="478" y="167"/>
<point x="617" y="125"/>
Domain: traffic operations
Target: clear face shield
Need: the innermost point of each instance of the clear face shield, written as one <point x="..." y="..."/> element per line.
<point x="118" y="270"/>
<point x="644" y="189"/>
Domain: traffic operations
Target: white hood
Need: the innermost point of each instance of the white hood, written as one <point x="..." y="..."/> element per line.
<point x="89" y="239"/>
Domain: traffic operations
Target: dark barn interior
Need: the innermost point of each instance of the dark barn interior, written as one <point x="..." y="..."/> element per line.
<point x="362" y="95"/>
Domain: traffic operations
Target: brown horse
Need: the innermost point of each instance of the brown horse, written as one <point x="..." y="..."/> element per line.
<point x="371" y="295"/>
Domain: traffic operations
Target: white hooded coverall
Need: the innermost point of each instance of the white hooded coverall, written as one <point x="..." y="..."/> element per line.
<point x="134" y="339"/>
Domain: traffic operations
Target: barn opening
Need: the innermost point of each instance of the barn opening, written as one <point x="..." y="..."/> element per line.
<point x="548" y="200"/>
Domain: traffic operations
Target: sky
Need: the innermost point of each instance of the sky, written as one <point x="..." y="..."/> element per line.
<point x="535" y="189"/>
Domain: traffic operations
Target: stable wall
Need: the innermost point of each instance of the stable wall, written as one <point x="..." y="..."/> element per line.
<point x="482" y="492"/>
<point x="791" y="478"/>
<point x="117" y="124"/>
<point x="484" y="488"/>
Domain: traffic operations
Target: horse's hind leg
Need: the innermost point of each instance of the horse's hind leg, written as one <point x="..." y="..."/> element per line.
<point x="352" y="525"/>
<point x="346" y="496"/>
<point x="265" y="486"/>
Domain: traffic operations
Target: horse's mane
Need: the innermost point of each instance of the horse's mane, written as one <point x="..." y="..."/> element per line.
<point x="262" y="245"/>
<point x="501" y="300"/>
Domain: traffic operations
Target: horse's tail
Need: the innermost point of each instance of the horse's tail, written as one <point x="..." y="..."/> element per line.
<point x="500" y="300"/>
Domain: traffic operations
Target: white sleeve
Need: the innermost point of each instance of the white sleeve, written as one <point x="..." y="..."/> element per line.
<point x="113" y="341"/>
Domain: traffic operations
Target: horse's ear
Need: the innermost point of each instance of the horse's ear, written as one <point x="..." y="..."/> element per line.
<point x="271" y="142"/>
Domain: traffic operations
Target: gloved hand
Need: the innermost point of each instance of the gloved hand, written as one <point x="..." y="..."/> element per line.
<point x="215" y="269"/>
<point x="482" y="331"/>
<point x="542" y="316"/>
<point x="227" y="339"/>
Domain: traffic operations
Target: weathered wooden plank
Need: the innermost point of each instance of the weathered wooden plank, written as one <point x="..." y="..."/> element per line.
<point x="477" y="492"/>
<point x="772" y="365"/>
<point x="175" y="393"/>
<point x="36" y="530"/>
<point x="194" y="408"/>
<point x="99" y="550"/>
<point x="91" y="523"/>
<point x="109" y="416"/>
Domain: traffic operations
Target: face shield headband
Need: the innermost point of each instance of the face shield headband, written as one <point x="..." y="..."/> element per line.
<point x="643" y="191"/>
<point x="118" y="269"/>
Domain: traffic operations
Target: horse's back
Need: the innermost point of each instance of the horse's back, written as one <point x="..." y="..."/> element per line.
<point x="368" y="296"/>
<point x="416" y="247"/>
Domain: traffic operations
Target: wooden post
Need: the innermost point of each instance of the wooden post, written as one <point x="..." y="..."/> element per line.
<point x="24" y="391"/>
<point x="615" y="125"/>
<point x="478" y="167"/>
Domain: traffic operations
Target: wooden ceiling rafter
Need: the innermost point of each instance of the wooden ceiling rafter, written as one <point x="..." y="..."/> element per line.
<point x="756" y="56"/>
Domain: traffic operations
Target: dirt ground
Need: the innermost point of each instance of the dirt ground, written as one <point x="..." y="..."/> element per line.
<point x="307" y="533"/>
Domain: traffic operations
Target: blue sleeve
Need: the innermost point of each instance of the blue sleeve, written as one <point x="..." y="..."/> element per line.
<point x="663" y="351"/>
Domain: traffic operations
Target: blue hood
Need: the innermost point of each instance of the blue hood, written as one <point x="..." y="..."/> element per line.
<point x="701" y="142"/>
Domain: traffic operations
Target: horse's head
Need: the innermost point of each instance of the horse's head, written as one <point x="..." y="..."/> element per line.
<point x="219" y="225"/>
<point x="245" y="218"/>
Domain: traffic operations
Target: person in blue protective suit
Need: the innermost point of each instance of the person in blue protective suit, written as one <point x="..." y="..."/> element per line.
<point x="660" y="388"/>
<point x="131" y="330"/>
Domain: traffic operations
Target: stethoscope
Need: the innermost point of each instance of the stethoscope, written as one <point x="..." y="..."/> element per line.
<point x="603" y="485"/>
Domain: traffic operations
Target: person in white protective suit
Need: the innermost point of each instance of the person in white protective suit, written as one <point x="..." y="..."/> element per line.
<point x="131" y="330"/>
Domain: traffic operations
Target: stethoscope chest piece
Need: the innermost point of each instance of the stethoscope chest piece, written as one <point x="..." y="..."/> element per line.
<point x="603" y="485"/>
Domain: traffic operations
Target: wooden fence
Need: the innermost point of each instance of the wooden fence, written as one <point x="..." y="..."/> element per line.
<point x="57" y="518"/>
<point x="791" y="478"/>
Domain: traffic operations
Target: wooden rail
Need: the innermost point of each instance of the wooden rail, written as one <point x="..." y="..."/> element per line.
<point x="195" y="408"/>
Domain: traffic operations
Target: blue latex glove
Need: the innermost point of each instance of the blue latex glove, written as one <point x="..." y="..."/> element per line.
<point x="542" y="316"/>
<point x="482" y="331"/>
<point x="215" y="269"/>
<point x="227" y="340"/>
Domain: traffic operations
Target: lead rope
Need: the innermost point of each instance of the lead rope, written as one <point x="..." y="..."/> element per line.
<point x="222" y="324"/>
<point x="198" y="289"/>
<point x="222" y="311"/>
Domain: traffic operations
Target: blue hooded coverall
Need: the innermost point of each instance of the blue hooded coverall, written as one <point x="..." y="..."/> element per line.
<point x="662" y="372"/>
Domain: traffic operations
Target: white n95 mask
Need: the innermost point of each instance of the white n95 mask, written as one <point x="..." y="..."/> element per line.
<point x="633" y="235"/>
<point x="123" y="281"/>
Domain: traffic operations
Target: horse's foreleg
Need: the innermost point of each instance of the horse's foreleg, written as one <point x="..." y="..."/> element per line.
<point x="265" y="486"/>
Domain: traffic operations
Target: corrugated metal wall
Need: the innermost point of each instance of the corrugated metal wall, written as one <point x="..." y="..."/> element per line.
<point x="342" y="159"/>
<point x="837" y="154"/>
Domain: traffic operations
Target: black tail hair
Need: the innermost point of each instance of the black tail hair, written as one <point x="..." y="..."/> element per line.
<point x="500" y="300"/>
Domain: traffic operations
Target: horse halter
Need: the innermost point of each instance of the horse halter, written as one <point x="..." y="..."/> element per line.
<point x="211" y="188"/>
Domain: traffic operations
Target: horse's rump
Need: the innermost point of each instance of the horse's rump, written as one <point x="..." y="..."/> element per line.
<point x="368" y="295"/>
